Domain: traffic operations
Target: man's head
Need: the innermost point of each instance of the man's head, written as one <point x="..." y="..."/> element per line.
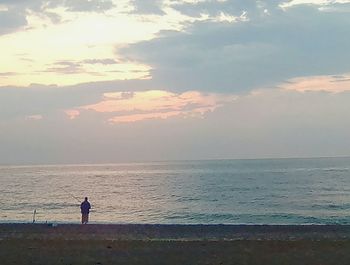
<point x="86" y="198"/>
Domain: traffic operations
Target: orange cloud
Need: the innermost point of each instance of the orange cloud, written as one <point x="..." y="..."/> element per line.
<point x="328" y="83"/>
<point x="154" y="104"/>
<point x="72" y="114"/>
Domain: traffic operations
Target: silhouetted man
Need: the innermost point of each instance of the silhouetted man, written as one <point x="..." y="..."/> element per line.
<point x="85" y="210"/>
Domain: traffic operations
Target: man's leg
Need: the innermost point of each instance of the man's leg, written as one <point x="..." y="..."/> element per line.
<point x="85" y="218"/>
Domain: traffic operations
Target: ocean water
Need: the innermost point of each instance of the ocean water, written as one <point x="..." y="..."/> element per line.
<point x="269" y="191"/>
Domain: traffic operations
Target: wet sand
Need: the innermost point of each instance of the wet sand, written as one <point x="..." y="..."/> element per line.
<point x="173" y="244"/>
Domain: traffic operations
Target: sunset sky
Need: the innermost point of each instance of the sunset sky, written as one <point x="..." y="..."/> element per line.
<point x="99" y="81"/>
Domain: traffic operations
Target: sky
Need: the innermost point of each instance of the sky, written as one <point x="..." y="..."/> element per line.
<point x="104" y="81"/>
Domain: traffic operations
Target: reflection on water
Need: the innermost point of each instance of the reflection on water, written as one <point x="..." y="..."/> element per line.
<point x="289" y="191"/>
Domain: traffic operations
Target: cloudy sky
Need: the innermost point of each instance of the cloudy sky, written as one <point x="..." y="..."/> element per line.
<point x="98" y="81"/>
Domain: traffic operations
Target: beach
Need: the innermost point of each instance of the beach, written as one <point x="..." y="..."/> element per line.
<point x="174" y="244"/>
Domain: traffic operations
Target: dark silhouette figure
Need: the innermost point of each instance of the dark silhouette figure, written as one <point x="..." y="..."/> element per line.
<point x="85" y="210"/>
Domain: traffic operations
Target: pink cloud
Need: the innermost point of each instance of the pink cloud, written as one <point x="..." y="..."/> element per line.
<point x="72" y="114"/>
<point x="328" y="83"/>
<point x="154" y="104"/>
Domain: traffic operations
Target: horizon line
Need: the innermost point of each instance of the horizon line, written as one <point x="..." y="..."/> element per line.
<point x="167" y="160"/>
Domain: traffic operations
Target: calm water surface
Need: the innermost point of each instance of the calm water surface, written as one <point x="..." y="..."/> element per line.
<point x="284" y="191"/>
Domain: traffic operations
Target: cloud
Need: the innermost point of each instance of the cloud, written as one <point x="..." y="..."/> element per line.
<point x="5" y="74"/>
<point x="298" y="124"/>
<point x="100" y="61"/>
<point x="76" y="71"/>
<point x="241" y="56"/>
<point x="66" y="67"/>
<point x="34" y="117"/>
<point x="76" y="67"/>
<point x="20" y="102"/>
<point x="71" y="5"/>
<point x="327" y="83"/>
<point x="292" y="3"/>
<point x="13" y="14"/>
<point x="148" y="7"/>
<point x="155" y="104"/>
<point x="215" y="7"/>
<point x="72" y="114"/>
<point x="11" y="20"/>
<point x="88" y="5"/>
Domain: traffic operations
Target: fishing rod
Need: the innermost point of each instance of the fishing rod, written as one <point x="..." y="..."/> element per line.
<point x="34" y="213"/>
<point x="70" y="194"/>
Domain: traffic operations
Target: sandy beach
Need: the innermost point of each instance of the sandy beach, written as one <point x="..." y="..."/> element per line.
<point x="173" y="244"/>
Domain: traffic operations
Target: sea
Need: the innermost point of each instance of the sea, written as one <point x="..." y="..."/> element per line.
<point x="254" y="191"/>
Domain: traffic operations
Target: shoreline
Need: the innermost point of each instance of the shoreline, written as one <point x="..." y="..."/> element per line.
<point x="173" y="232"/>
<point x="132" y="244"/>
